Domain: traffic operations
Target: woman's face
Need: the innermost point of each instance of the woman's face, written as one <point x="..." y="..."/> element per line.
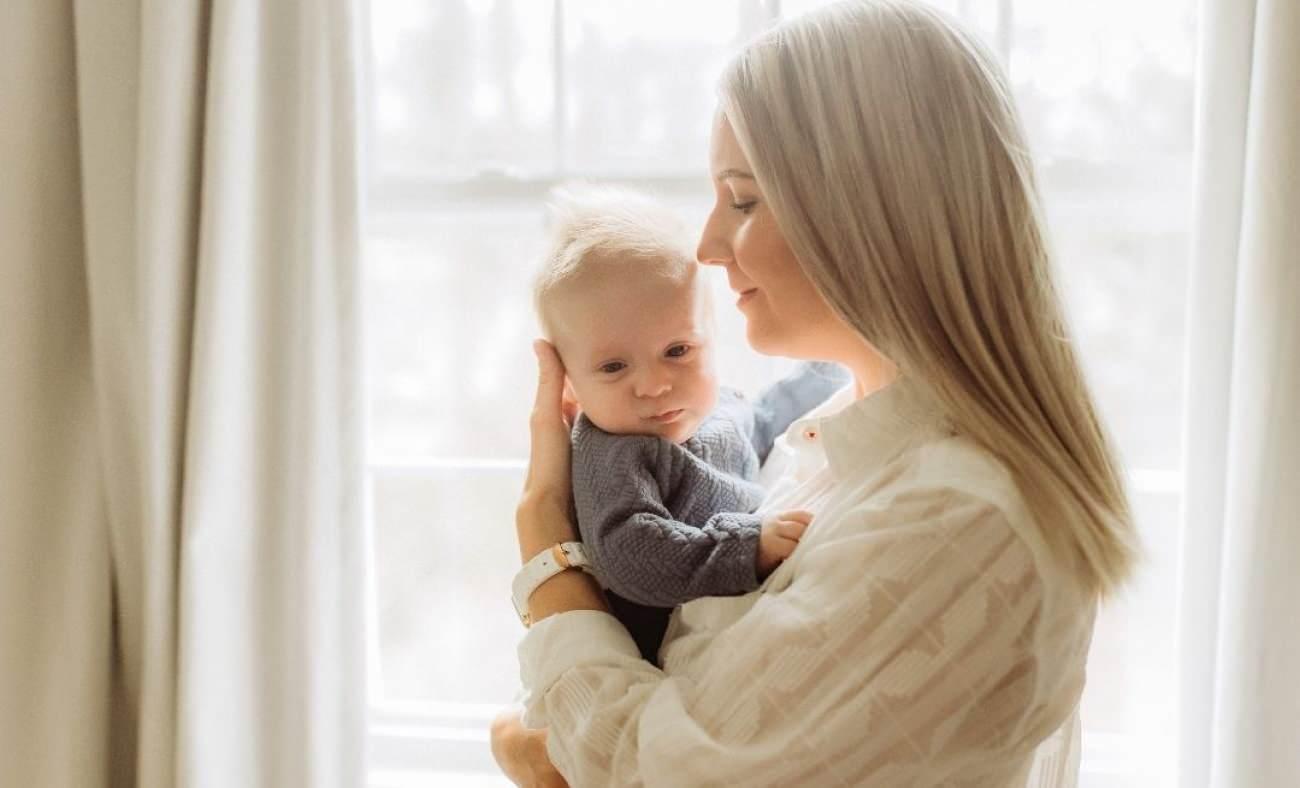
<point x="784" y="313"/>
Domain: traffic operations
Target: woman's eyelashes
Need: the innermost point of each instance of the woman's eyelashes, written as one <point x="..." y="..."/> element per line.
<point x="744" y="206"/>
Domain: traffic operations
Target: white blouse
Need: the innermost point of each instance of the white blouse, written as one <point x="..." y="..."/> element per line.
<point x="919" y="635"/>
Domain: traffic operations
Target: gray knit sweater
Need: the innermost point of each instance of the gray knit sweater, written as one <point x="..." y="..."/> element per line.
<point x="666" y="523"/>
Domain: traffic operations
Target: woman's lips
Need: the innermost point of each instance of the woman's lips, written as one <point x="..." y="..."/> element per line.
<point x="746" y="295"/>
<point x="668" y="416"/>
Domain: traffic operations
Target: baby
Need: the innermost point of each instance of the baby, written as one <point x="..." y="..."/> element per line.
<point x="665" y="461"/>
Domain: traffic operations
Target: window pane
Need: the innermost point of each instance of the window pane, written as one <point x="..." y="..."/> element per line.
<point x="1105" y="90"/>
<point x="1131" y="688"/>
<point x="445" y="545"/>
<point x="1106" y="93"/>
<point x="449" y="322"/>
<point x="462" y="86"/>
<point x="450" y="326"/>
<point x="642" y="81"/>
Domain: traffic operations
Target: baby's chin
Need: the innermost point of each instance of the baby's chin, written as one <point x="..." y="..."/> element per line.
<point x="676" y="432"/>
<point x="680" y="432"/>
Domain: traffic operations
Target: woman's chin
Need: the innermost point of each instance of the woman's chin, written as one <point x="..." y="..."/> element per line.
<point x="762" y="339"/>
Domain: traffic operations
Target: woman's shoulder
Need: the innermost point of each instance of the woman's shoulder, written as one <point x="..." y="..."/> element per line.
<point x="959" y="467"/>
<point x="954" y="484"/>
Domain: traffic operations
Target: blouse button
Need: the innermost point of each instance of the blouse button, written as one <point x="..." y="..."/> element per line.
<point x="810" y="433"/>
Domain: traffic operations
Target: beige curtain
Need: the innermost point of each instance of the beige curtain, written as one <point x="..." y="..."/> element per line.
<point x="1240" y="612"/>
<point x="181" y="552"/>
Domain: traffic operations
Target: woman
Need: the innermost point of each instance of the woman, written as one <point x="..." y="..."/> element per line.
<point x="875" y="207"/>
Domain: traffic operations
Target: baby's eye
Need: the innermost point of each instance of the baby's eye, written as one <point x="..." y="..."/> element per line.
<point x="677" y="351"/>
<point x="612" y="367"/>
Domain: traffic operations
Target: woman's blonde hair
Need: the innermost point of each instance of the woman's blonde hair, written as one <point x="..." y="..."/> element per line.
<point x="885" y="139"/>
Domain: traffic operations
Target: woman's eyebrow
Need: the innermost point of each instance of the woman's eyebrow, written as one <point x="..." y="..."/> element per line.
<point x="733" y="173"/>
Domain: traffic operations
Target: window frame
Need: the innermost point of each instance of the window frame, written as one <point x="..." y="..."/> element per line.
<point x="418" y="741"/>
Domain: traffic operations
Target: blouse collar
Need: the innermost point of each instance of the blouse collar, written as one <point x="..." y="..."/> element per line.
<point x="860" y="434"/>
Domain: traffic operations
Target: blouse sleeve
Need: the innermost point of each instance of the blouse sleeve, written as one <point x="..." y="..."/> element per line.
<point x="904" y="651"/>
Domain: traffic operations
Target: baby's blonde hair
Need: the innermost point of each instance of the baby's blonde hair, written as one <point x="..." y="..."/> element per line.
<point x="885" y="139"/>
<point x="594" y="228"/>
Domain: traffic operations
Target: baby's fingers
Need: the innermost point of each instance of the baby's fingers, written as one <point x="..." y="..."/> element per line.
<point x="798" y="515"/>
<point x="791" y="529"/>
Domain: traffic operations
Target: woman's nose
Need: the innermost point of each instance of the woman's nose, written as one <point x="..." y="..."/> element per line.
<point x="713" y="248"/>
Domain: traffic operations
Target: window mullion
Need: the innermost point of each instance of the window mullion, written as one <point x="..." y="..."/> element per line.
<point x="560" y="108"/>
<point x="374" y="654"/>
<point x="1005" y="33"/>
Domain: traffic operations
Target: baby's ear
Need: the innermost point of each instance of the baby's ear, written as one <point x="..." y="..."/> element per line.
<point x="569" y="402"/>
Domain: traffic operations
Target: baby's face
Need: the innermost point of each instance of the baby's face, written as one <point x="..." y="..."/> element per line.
<point x="638" y="354"/>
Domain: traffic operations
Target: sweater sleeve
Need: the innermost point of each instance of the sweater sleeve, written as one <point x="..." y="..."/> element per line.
<point x="638" y="549"/>
<point x="906" y="651"/>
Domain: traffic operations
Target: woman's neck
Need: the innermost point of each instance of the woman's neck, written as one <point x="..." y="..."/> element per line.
<point x="871" y="370"/>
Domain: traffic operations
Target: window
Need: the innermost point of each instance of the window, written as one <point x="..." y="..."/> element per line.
<point x="481" y="106"/>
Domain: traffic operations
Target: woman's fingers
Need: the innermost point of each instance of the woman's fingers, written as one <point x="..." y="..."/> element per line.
<point x="542" y="771"/>
<point x="550" y="377"/>
<point x="544" y="515"/>
<point x="521" y="752"/>
<point x="548" y="463"/>
<point x="508" y="745"/>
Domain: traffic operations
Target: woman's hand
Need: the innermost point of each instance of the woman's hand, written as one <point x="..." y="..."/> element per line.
<point x="521" y="753"/>
<point x="544" y="516"/>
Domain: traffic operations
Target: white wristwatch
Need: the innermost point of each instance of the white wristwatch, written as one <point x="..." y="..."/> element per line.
<point x="543" y="566"/>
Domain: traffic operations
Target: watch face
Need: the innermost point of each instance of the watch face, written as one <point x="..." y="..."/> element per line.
<point x="575" y="552"/>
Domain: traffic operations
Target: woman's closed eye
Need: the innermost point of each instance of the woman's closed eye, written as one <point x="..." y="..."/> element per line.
<point x="744" y="206"/>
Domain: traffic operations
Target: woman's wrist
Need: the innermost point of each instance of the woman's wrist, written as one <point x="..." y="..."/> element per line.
<point x="542" y="520"/>
<point x="568" y="590"/>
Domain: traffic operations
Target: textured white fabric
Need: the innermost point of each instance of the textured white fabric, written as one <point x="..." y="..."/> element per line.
<point x="919" y="635"/>
<point x="180" y="454"/>
<point x="1239" y="622"/>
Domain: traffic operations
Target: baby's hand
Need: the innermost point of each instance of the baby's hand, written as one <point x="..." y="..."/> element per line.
<point x="779" y="535"/>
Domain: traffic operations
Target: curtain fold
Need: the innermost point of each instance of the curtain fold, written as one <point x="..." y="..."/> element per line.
<point x="1239" y="624"/>
<point x="181" y="557"/>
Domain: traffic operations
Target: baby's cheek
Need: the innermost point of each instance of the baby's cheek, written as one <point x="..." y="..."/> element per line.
<point x="608" y="419"/>
<point x="707" y="395"/>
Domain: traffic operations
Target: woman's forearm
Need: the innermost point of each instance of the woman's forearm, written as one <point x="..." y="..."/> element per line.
<point x="541" y="522"/>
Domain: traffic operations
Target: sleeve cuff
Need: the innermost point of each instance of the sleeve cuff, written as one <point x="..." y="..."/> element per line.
<point x="563" y="641"/>
<point x="739" y="574"/>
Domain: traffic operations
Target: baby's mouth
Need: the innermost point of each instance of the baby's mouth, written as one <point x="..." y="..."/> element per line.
<point x="668" y="416"/>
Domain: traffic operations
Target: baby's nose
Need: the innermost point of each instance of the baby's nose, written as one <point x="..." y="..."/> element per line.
<point x="653" y="385"/>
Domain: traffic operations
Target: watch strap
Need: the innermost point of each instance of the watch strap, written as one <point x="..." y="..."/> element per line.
<point x="542" y="567"/>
